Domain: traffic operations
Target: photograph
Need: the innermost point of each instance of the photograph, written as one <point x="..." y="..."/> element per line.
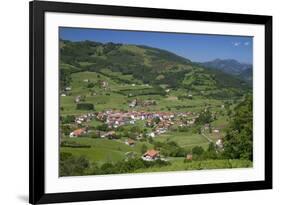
<point x="143" y="101"/>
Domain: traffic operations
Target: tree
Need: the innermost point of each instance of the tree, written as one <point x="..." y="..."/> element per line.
<point x="211" y="152"/>
<point x="204" y="117"/>
<point x="197" y="150"/>
<point x="67" y="119"/>
<point x="102" y="127"/>
<point x="238" y="142"/>
<point x="85" y="106"/>
<point x="73" y="166"/>
<point x="91" y="85"/>
<point x="65" y="129"/>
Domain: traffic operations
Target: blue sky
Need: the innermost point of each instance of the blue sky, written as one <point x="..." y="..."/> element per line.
<point x="196" y="47"/>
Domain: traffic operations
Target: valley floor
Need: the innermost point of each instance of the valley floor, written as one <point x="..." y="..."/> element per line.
<point x="129" y="119"/>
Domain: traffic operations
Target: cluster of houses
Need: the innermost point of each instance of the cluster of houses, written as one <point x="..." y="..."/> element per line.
<point x="160" y="121"/>
<point x="116" y="119"/>
<point x="84" y="118"/>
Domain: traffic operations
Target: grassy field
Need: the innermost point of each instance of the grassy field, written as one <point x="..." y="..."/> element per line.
<point x="179" y="165"/>
<point x="184" y="139"/>
<point x="103" y="150"/>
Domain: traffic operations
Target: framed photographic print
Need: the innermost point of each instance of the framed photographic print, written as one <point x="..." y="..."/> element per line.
<point x="140" y="102"/>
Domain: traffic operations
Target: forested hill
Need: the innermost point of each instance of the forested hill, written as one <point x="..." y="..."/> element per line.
<point x="150" y="65"/>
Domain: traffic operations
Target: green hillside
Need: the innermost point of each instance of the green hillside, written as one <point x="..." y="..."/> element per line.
<point x="145" y="64"/>
<point x="105" y="79"/>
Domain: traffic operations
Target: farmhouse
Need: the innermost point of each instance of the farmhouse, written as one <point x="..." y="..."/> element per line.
<point x="216" y="130"/>
<point x="109" y="135"/>
<point x="133" y="103"/>
<point x="103" y="84"/>
<point x="219" y="143"/>
<point x="189" y="157"/>
<point x="152" y="134"/>
<point x="190" y="121"/>
<point x="206" y="127"/>
<point x="130" y="142"/>
<point x="151" y="155"/>
<point x="160" y="131"/>
<point x="77" y="133"/>
<point x="149" y="123"/>
<point x="77" y="99"/>
<point x="68" y="89"/>
<point x="147" y="103"/>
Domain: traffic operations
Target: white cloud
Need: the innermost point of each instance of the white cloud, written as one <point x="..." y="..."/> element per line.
<point x="236" y="43"/>
<point x="246" y="43"/>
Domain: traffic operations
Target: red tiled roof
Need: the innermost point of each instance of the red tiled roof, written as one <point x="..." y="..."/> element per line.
<point x="151" y="153"/>
<point x="78" y="132"/>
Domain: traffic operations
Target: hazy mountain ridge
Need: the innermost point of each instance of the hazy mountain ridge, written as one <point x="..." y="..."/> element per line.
<point x="231" y="66"/>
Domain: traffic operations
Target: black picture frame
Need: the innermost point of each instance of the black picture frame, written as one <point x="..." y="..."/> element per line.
<point x="37" y="193"/>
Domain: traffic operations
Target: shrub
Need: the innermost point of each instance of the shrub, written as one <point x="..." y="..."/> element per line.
<point x="85" y="106"/>
<point x="197" y="150"/>
<point x="90" y="85"/>
<point x="71" y="165"/>
<point x="67" y="119"/>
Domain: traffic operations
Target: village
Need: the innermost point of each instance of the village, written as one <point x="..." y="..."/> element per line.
<point x="158" y="123"/>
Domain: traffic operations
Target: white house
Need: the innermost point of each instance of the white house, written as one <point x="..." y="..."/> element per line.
<point x="216" y="131"/>
<point x="152" y="134"/>
<point x="219" y="143"/>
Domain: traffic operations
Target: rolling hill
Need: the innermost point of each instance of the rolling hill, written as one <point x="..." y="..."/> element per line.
<point x="147" y="65"/>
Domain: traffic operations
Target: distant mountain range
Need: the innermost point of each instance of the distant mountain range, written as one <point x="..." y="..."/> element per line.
<point x="242" y="70"/>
